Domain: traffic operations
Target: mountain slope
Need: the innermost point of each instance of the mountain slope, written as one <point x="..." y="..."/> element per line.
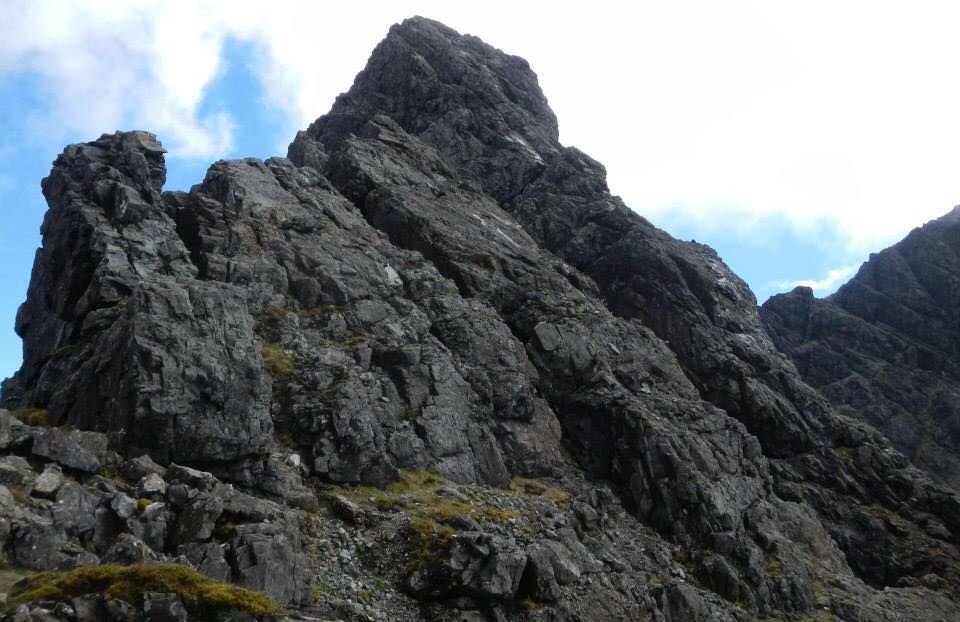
<point x="476" y="108"/>
<point x="434" y="332"/>
<point x="885" y="347"/>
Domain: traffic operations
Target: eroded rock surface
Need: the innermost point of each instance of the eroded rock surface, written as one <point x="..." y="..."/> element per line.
<point x="120" y="336"/>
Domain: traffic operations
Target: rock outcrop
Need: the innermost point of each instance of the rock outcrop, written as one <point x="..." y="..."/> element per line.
<point x="885" y="347"/>
<point x="120" y="334"/>
<point x="449" y="376"/>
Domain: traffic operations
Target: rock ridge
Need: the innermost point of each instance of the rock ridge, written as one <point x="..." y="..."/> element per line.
<point x="884" y="348"/>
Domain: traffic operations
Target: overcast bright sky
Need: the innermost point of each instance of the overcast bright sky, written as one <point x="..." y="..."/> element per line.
<point x="793" y="137"/>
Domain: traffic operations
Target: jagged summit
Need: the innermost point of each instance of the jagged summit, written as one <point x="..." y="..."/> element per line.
<point x="481" y="108"/>
<point x="557" y="410"/>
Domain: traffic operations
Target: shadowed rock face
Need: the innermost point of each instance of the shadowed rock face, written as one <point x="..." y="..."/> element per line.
<point x="885" y="347"/>
<point x="432" y="281"/>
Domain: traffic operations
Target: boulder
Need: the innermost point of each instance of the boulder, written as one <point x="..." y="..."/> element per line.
<point x="475" y="564"/>
<point x="140" y="467"/>
<point x="75" y="450"/>
<point x="163" y="607"/>
<point x="259" y="549"/>
<point x="16" y="471"/>
<point x="151" y="486"/>
<point x="197" y="519"/>
<point x="124" y="505"/>
<point x="48" y="483"/>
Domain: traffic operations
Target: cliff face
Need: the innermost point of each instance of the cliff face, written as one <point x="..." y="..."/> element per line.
<point x="574" y="415"/>
<point x="886" y="347"/>
<point x="121" y="332"/>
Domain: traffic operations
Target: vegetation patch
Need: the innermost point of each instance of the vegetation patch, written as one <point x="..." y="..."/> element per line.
<point x="536" y="488"/>
<point x="111" y="473"/>
<point x="416" y="492"/>
<point x="431" y="503"/>
<point x="413" y="481"/>
<point x="529" y="605"/>
<point x="286" y="439"/>
<point x="204" y="598"/>
<point x="494" y="514"/>
<point x="774" y="569"/>
<point x="276" y="361"/>
<point x="419" y="494"/>
<point x="684" y="559"/>
<point x="10" y="576"/>
<point x="428" y="537"/>
<point x="32" y="416"/>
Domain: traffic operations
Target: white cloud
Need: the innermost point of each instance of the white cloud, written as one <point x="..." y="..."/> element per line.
<point x="109" y="66"/>
<point x="833" y="279"/>
<point x="831" y="117"/>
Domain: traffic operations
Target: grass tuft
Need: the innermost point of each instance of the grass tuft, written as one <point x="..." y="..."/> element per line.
<point x="535" y="488"/>
<point x="276" y="361"/>
<point x="499" y="516"/>
<point x="773" y="569"/>
<point x="203" y="597"/>
<point x="529" y="605"/>
<point x="428" y="538"/>
<point x="32" y="416"/>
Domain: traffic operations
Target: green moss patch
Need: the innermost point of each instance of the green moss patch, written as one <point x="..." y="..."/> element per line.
<point x="276" y="361"/>
<point x="415" y="493"/>
<point x="32" y="416"/>
<point x="10" y="576"/>
<point x="418" y="494"/>
<point x="536" y="488"/>
<point x="203" y="597"/>
<point x="428" y="537"/>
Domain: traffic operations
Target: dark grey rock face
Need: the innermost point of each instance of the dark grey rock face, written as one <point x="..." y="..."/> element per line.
<point x="460" y="129"/>
<point x="433" y="288"/>
<point x="119" y="334"/>
<point x="478" y="565"/>
<point x="884" y="348"/>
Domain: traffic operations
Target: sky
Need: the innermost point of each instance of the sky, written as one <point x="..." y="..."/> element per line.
<point x="795" y="138"/>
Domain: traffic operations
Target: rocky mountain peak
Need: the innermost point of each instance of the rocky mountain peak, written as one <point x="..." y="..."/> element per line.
<point x="481" y="108"/>
<point x="432" y="344"/>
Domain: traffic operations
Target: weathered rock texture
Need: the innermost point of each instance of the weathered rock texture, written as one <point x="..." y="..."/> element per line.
<point x="432" y="284"/>
<point x="886" y="347"/>
<point x="119" y="333"/>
